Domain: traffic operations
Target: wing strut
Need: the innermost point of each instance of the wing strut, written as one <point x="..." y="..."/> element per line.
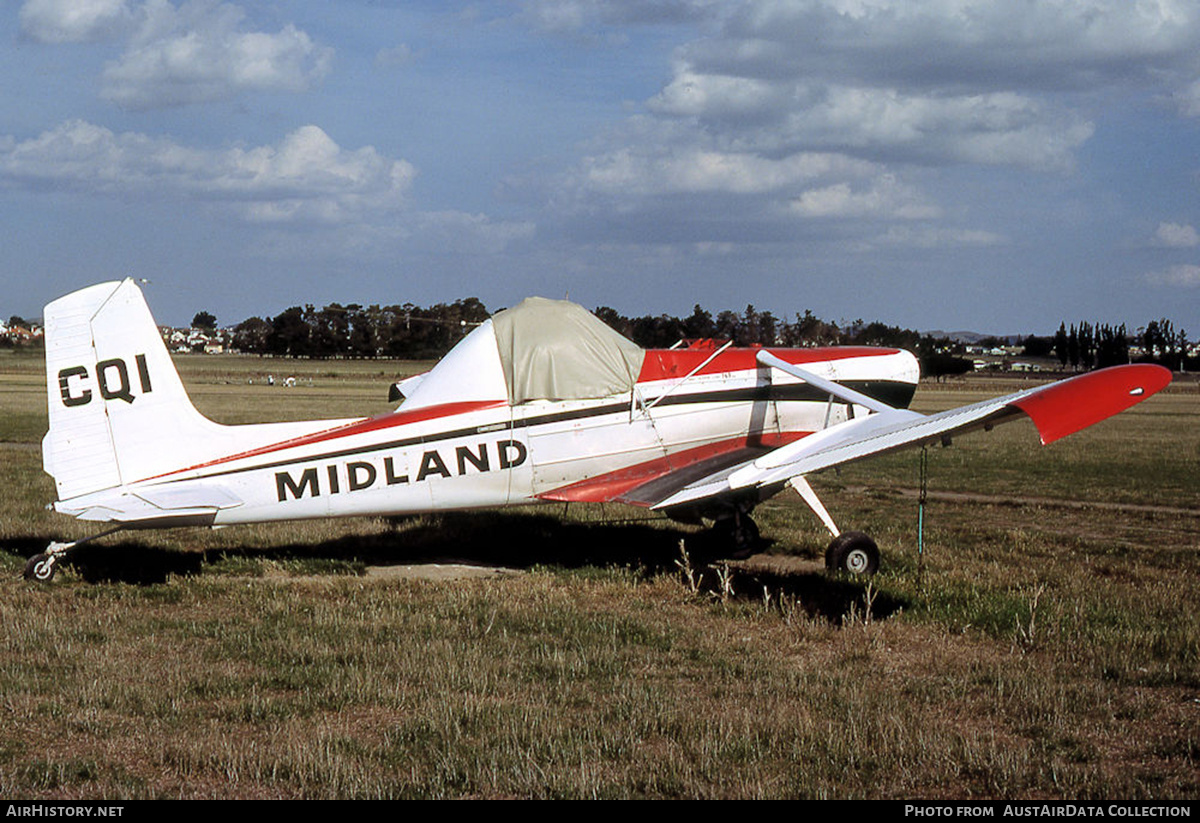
<point x="800" y="484"/>
<point x="835" y="389"/>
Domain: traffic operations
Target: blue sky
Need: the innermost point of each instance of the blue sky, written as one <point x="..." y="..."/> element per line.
<point x="957" y="164"/>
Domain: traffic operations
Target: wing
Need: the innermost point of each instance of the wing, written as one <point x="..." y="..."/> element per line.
<point x="1057" y="409"/>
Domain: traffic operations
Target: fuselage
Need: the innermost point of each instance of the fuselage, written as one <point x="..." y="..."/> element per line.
<point x="689" y="409"/>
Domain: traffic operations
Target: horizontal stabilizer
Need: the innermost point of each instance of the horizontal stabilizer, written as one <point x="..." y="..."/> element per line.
<point x="154" y="506"/>
<point x="191" y="496"/>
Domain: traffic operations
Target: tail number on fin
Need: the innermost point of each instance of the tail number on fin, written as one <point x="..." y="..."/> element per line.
<point x="112" y="380"/>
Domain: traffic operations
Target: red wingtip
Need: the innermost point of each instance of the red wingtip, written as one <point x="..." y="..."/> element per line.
<point x="1067" y="406"/>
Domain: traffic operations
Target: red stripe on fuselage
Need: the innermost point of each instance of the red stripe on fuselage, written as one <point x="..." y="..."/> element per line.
<point x="369" y="424"/>
<point x="664" y="364"/>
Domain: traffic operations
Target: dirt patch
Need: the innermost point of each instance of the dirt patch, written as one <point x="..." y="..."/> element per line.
<point x="437" y="571"/>
<point x="781" y="564"/>
<point x="413" y="571"/>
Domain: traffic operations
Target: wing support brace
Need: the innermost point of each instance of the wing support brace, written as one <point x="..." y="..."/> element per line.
<point x="835" y="389"/>
<point x="800" y="484"/>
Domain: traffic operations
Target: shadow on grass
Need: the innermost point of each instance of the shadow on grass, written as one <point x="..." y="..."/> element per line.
<point x="484" y="539"/>
<point x="115" y="562"/>
<point x="488" y="539"/>
<point x="819" y="594"/>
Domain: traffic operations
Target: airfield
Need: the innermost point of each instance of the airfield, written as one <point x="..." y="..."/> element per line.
<point x="1045" y="644"/>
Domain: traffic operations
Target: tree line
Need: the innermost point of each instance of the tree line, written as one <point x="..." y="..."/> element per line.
<point x="409" y="331"/>
<point x="1085" y="346"/>
<point x="413" y="332"/>
<point x="406" y="331"/>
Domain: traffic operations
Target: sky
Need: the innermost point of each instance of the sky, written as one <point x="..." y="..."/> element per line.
<point x="998" y="166"/>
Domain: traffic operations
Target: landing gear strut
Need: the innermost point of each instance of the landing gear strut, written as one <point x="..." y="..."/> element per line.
<point x="41" y="567"/>
<point x="853" y="552"/>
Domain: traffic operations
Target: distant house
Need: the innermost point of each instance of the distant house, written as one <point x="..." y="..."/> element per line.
<point x="185" y="341"/>
<point x="23" y="336"/>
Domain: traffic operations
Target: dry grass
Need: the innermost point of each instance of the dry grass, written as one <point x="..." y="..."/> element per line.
<point x="1044" y="650"/>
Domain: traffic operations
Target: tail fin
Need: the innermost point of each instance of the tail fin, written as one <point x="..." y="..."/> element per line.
<point x="118" y="410"/>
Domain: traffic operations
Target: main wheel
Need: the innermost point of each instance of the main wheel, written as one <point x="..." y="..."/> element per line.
<point x="41" y="567"/>
<point x="739" y="533"/>
<point x="853" y="552"/>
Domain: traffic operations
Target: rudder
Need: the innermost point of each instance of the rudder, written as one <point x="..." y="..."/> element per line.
<point x="118" y="410"/>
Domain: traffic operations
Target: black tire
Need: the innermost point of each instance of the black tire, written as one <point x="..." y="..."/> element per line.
<point x="739" y="534"/>
<point x="41" y="567"/>
<point x="854" y="553"/>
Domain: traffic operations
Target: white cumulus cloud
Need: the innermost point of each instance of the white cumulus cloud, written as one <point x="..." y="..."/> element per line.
<point x="196" y="52"/>
<point x="305" y="176"/>
<point x="203" y="51"/>
<point x="930" y="81"/>
<point x="1185" y="276"/>
<point x="401" y="54"/>
<point x="694" y="170"/>
<point x="74" y="21"/>
<point x="1176" y="236"/>
<point x="1188" y="100"/>
<point x="884" y="197"/>
<point x="904" y="93"/>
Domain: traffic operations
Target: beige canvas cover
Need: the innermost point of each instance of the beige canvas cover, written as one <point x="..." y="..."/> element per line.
<point x="558" y="350"/>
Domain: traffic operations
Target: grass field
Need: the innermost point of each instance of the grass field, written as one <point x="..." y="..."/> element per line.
<point x="1046" y="645"/>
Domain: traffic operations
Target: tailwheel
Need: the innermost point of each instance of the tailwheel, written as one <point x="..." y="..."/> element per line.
<point x="853" y="552"/>
<point x="41" y="567"/>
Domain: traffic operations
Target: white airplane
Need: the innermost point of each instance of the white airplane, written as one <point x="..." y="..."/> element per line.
<point x="543" y="402"/>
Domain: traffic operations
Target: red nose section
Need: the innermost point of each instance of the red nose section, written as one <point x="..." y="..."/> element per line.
<point x="1070" y="405"/>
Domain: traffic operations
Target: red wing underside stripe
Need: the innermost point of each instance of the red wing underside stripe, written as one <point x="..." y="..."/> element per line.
<point x="647" y="483"/>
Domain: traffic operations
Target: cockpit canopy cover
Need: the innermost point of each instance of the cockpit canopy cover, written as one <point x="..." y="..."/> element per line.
<point x="557" y="350"/>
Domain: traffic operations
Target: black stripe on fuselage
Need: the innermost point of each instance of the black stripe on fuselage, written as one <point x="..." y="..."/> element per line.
<point x="893" y="392"/>
<point x="884" y="390"/>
